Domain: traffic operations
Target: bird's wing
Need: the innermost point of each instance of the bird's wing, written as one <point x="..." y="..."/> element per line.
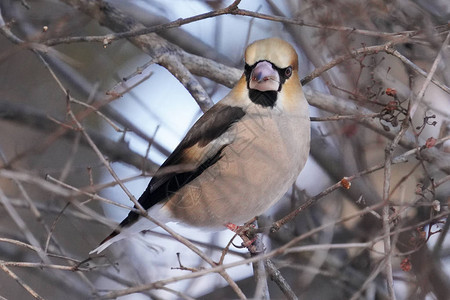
<point x="200" y="149"/>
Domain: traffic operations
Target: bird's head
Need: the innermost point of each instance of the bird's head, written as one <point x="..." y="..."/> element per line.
<point x="270" y="65"/>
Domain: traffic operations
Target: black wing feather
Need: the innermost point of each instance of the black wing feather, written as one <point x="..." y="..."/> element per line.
<point x="210" y="126"/>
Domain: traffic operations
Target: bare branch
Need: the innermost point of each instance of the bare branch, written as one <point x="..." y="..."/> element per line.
<point x="232" y="9"/>
<point x="34" y="118"/>
<point x="386" y="209"/>
<point x="276" y="276"/>
<point x="430" y="76"/>
<point x="20" y="281"/>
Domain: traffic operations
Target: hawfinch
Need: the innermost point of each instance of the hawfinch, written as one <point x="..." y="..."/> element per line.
<point x="240" y="157"/>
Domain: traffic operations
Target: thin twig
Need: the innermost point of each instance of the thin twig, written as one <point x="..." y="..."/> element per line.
<point x="386" y="209"/>
<point x="20" y="281"/>
<point x="369" y="280"/>
<point x="311" y="248"/>
<point x="343" y="117"/>
<point x="17" y="219"/>
<point x="429" y="76"/>
<point x="218" y="268"/>
<point x="232" y="9"/>
<point x="99" y="113"/>
<point x="374" y="50"/>
<point x="259" y="270"/>
<point x="276" y="276"/>
<point x="107" y="39"/>
<point x="398" y="159"/>
<point x="276" y="252"/>
<point x="416" y="68"/>
<point x="180" y="295"/>
<point x="37" y="119"/>
<point x="201" y="254"/>
<point x="105" y="162"/>
<point x="20" y="264"/>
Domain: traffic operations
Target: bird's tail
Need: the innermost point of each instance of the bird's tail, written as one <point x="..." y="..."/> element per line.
<point x="133" y="229"/>
<point x="112" y="238"/>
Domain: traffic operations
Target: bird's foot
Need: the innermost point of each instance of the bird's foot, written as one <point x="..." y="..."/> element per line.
<point x="246" y="232"/>
<point x="233" y="227"/>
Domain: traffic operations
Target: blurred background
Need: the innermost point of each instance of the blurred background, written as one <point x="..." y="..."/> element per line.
<point x="136" y="106"/>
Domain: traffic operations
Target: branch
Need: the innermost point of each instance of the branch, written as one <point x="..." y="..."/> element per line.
<point x="276" y="252"/>
<point x="107" y="39"/>
<point x="22" y="225"/>
<point x="174" y="65"/>
<point x="163" y="52"/>
<point x="429" y="76"/>
<point x="375" y="50"/>
<point x="339" y="105"/>
<point x="346" y="181"/>
<point x="276" y="276"/>
<point x="39" y="265"/>
<point x="386" y="209"/>
<point x="20" y="281"/>
<point x="37" y="119"/>
<point x="259" y="268"/>
<point x="232" y="9"/>
<point x="417" y="69"/>
<point x="63" y="191"/>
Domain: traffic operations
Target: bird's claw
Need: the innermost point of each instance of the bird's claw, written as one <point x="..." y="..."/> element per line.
<point x="246" y="233"/>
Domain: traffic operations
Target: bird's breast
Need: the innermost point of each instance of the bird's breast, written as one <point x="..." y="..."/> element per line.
<point x="267" y="153"/>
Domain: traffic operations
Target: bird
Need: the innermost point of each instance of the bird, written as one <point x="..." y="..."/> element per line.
<point x="240" y="157"/>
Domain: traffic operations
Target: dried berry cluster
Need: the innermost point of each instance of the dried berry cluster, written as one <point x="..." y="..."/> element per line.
<point x="393" y="112"/>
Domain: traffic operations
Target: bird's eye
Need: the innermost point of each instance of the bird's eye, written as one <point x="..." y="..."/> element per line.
<point x="288" y="72"/>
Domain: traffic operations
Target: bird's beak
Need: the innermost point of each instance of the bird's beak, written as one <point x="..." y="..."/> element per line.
<point x="264" y="77"/>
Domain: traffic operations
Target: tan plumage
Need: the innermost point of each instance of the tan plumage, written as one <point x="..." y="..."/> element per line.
<point x="241" y="156"/>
